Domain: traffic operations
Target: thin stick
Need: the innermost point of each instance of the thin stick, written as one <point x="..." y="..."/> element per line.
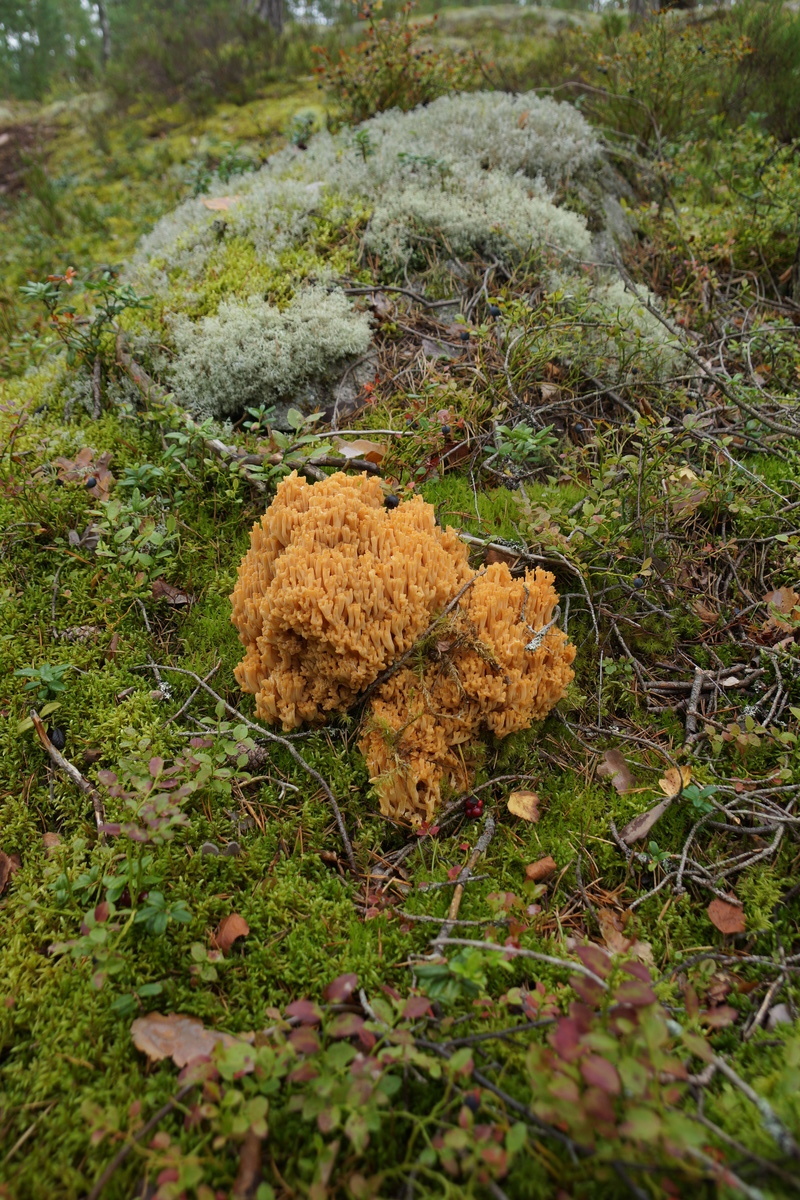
<point x="125" y="1150"/>
<point x="71" y="772"/>
<point x="97" y="395"/>
<point x="287" y="745"/>
<point x="481" y="846"/>
<point x="403" y="659"/>
<point x="192" y="695"/>
<point x="691" y="710"/>
<point x="520" y="952"/>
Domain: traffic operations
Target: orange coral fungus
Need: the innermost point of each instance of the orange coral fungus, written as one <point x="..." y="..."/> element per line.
<point x="333" y="590"/>
<point x="493" y="674"/>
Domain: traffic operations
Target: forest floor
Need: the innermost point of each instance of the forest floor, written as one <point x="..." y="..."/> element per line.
<point x="668" y="513"/>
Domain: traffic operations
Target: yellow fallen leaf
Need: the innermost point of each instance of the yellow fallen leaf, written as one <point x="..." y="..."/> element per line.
<point x="524" y="805"/>
<point x="371" y="451"/>
<point x="675" y="780"/>
<point x="219" y="203"/>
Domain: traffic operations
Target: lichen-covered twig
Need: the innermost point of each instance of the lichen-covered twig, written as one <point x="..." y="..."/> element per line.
<point x="70" y="771"/>
<point x="280" y="741"/>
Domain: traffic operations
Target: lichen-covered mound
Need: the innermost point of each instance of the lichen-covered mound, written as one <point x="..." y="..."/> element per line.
<point x="335" y="588"/>
<point x="424" y="724"/>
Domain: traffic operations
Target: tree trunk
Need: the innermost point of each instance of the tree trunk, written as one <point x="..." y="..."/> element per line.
<point x="270" y="11"/>
<point x="105" y="32"/>
<point x="640" y="10"/>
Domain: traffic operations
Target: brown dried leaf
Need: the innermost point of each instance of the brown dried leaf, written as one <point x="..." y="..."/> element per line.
<point x="84" y="467"/>
<point x="640" y="826"/>
<point x="524" y="805"/>
<point x="361" y="448"/>
<point x="611" y="929"/>
<point x="614" y="767"/>
<point x="219" y="203"/>
<point x="540" y="870"/>
<point x="248" y="1176"/>
<point x="9" y="863"/>
<point x="229" y="929"/>
<point x="176" y="1036"/>
<point x="675" y="780"/>
<point x="728" y="918"/>
<point x="784" y="604"/>
<point x="175" y="596"/>
<point x="50" y="841"/>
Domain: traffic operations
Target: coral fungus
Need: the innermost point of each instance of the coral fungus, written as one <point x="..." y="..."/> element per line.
<point x="336" y="588"/>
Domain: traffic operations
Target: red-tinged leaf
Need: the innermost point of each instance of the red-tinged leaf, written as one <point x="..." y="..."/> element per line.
<point x="304" y="1073"/>
<point x="728" y="918"/>
<point x="636" y="993"/>
<point x="453" y="873"/>
<point x="340" y="989"/>
<point x="590" y="992"/>
<point x="229" y="930"/>
<point x="640" y="826"/>
<point x="674" y="1068"/>
<point x="111" y="830"/>
<point x="566" y="1039"/>
<point x="101" y="912"/>
<point x="599" y="1072"/>
<point x="155" y="766"/>
<point x="597" y="1105"/>
<point x="304" y="1011"/>
<point x="304" y="1040"/>
<point x="720" y="1017"/>
<point x="417" y="1006"/>
<point x="107" y="778"/>
<point x="595" y="959"/>
<point x="346" y="1025"/>
<point x="638" y="970"/>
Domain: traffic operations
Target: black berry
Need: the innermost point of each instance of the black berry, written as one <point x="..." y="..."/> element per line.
<point x="464" y="335"/>
<point x="494" y="311"/>
<point x="57" y="737"/>
<point x="391" y="502"/>
<point x="90" y="482"/>
<point x="446" y="430"/>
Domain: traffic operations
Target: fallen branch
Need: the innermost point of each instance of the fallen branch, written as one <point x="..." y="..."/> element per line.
<point x="71" y="772"/>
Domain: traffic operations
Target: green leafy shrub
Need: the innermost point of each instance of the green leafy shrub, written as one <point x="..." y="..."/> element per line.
<point x="393" y="67"/>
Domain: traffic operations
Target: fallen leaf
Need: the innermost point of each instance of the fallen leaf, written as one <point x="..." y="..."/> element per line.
<point x="229" y="929"/>
<point x="728" y="918"/>
<point x="675" y="780"/>
<point x="176" y="1036"/>
<point x="219" y="203"/>
<point x="784" y="609"/>
<point x="686" y="491"/>
<point x="84" y="469"/>
<point x="542" y="869"/>
<point x="720" y="1017"/>
<point x="614" y="767"/>
<point x="340" y="989"/>
<point x="361" y="448"/>
<point x="9" y="863"/>
<point x="611" y="930"/>
<point x="248" y="1176"/>
<point x="50" y="841"/>
<point x="501" y="556"/>
<point x="175" y="596"/>
<point x="524" y="805"/>
<point x="640" y="826"/>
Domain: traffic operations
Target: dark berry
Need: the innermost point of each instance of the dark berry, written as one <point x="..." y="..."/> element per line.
<point x="464" y="335"/>
<point x="494" y="311"/>
<point x="57" y="737"/>
<point x="472" y="1102"/>
<point x="638" y="581"/>
<point x="446" y="430"/>
<point x="391" y="502"/>
<point x="90" y="482"/>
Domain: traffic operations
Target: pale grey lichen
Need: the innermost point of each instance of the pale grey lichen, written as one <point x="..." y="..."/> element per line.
<point x="252" y="353"/>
